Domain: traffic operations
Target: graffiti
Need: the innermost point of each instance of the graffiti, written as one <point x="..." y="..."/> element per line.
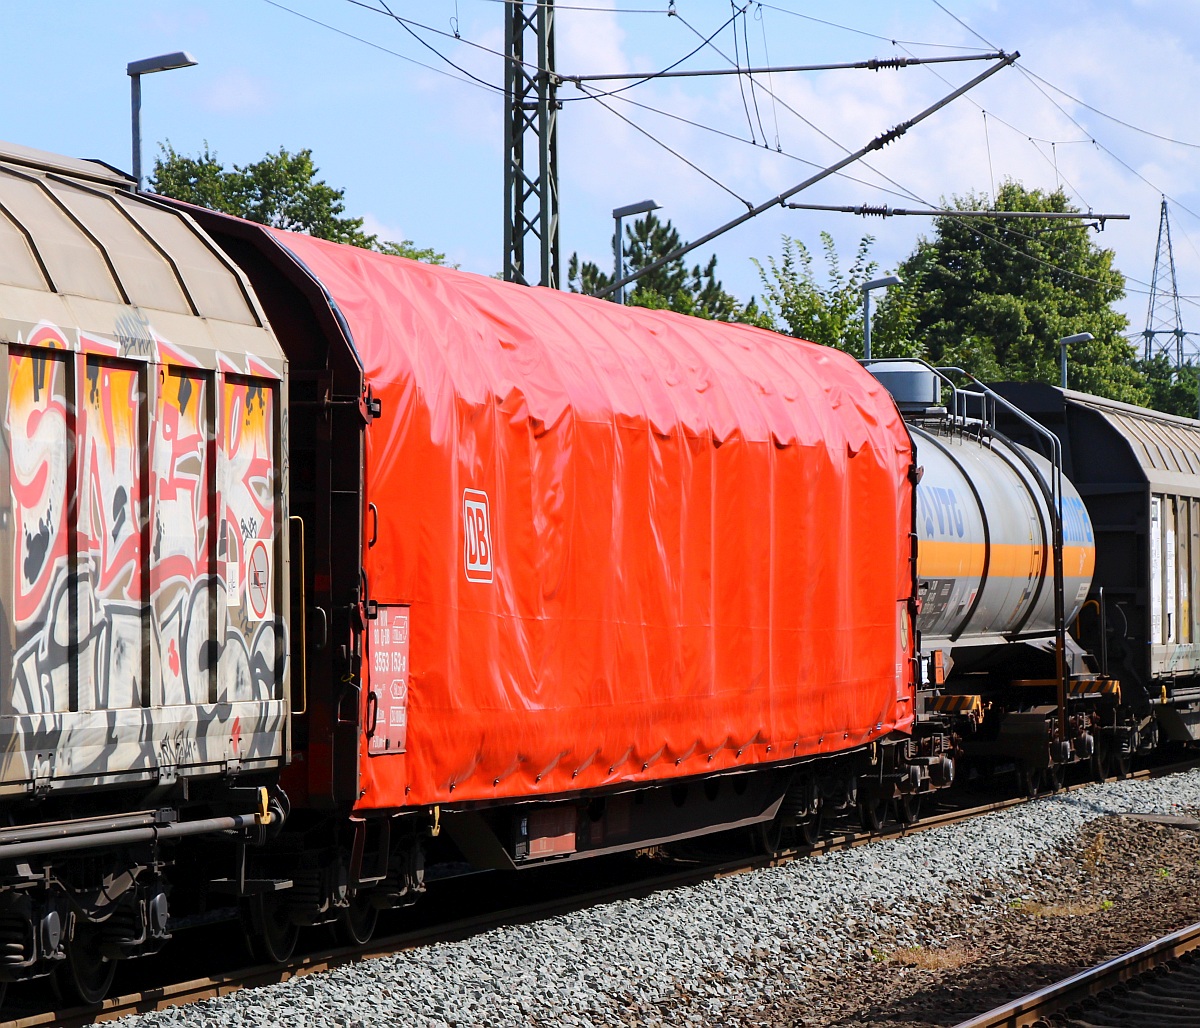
<point x="135" y="337"/>
<point x="178" y="749"/>
<point x="136" y="489"/>
<point x="39" y="459"/>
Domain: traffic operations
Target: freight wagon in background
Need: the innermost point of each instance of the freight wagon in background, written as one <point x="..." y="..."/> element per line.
<point x="143" y="556"/>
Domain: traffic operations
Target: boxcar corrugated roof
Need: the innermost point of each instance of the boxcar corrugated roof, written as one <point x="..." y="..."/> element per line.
<point x="82" y="252"/>
<point x="1165" y="445"/>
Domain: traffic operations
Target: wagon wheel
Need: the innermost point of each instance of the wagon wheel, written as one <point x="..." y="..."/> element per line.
<point x="907" y="807"/>
<point x="1055" y="776"/>
<point x="270" y="933"/>
<point x="86" y="975"/>
<point x="356" y="922"/>
<point x="808" y="827"/>
<point x="1029" y="780"/>
<point x="769" y="836"/>
<point x="872" y="813"/>
<point x="1100" y="763"/>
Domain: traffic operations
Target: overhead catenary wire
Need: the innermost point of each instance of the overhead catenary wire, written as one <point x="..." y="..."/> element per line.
<point x="1035" y="81"/>
<point x="402" y="22"/>
<point x="408" y="24"/>
<point x="987" y="142"/>
<point x="583" y="7"/>
<point x="738" y="69"/>
<point x="900" y="191"/>
<point x="393" y="53"/>
<point x="909" y="194"/>
<point x="873" y="64"/>
<point x="1012" y="128"/>
<point x="770" y="76"/>
<point x="665" y="73"/>
<point x="750" y="76"/>
<point x="700" y="125"/>
<point x="674" y="153"/>
<point x="1113" y="118"/>
<point x="875" y="144"/>
<point x="864" y="32"/>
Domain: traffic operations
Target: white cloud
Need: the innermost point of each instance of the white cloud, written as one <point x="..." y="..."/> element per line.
<point x="387" y="233"/>
<point x="237" y="92"/>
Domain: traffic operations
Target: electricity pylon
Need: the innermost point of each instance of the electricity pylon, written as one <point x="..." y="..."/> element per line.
<point x="530" y="117"/>
<point x="1164" y="324"/>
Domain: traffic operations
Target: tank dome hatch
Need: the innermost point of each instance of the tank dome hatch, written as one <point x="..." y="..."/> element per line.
<point x="913" y="384"/>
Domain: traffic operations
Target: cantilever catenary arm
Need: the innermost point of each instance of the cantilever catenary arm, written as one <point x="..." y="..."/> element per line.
<point x="876" y="144"/>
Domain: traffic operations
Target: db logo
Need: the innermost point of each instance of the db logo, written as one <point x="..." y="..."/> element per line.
<point x="477" y="536"/>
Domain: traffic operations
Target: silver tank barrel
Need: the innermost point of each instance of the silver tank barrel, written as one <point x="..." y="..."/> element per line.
<point x="984" y="533"/>
<point x="985" y="564"/>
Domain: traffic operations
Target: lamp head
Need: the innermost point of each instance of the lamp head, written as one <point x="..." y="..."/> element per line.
<point x="163" y="62"/>
<point x="644" y="207"/>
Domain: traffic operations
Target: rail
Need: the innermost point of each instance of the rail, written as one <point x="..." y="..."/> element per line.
<point x="1035" y="1007"/>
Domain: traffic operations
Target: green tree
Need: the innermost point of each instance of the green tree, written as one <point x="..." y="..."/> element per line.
<point x="586" y="277"/>
<point x="674" y="286"/>
<point x="281" y="190"/>
<point x="1171" y="390"/>
<point x="994" y="296"/>
<point x="830" y="314"/>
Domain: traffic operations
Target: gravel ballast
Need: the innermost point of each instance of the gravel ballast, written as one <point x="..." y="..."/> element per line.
<point x="921" y="930"/>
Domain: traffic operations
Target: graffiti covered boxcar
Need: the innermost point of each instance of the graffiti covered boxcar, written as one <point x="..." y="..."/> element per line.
<point x="143" y="563"/>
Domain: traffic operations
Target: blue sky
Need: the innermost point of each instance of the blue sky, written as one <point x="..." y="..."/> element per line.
<point x="419" y="149"/>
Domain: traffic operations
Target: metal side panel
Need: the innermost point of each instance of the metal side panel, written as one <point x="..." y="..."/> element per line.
<point x="73" y="750"/>
<point x="143" y="554"/>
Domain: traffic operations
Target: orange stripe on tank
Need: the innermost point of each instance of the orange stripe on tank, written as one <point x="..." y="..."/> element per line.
<point x="937" y="558"/>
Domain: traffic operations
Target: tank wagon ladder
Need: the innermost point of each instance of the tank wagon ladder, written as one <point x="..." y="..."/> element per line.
<point x="988" y="402"/>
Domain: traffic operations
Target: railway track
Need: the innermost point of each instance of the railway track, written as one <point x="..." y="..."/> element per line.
<point x="1156" y="984"/>
<point x="698" y="867"/>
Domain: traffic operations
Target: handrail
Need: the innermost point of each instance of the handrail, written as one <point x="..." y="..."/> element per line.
<point x="297" y="522"/>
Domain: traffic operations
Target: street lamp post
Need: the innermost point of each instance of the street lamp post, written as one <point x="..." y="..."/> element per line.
<point x="1078" y="337"/>
<point x="135" y="70"/>
<point x="619" y="213"/>
<point x="875" y="283"/>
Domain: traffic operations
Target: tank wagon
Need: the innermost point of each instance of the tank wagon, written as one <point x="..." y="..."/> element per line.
<point x="144" y="665"/>
<point x="573" y="579"/>
<point x="1124" y="647"/>
<point x="1138" y="471"/>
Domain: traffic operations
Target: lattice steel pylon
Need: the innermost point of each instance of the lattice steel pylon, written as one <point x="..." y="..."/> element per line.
<point x="1164" y="324"/>
<point x="530" y="123"/>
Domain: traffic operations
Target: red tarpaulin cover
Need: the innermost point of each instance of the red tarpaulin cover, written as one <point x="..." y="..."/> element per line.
<point x="634" y="545"/>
